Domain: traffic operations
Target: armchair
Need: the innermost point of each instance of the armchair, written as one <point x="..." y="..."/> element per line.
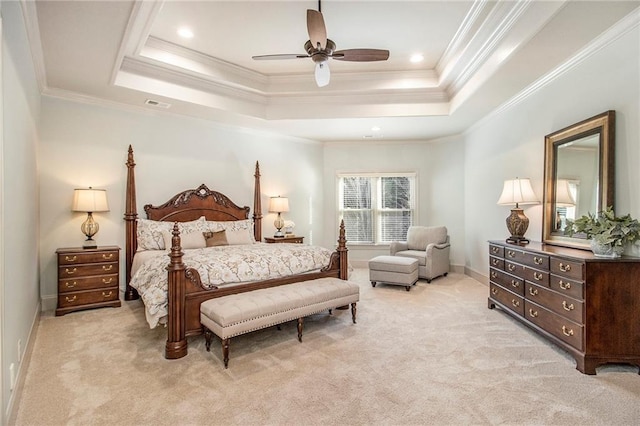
<point x="430" y="245"/>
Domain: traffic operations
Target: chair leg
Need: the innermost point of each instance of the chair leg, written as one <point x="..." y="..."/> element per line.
<point x="353" y="312"/>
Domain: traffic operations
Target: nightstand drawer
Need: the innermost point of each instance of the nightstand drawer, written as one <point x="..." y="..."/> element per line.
<point x="87" y="297"/>
<point x="75" y="257"/>
<point x="71" y="271"/>
<point x="88" y="283"/>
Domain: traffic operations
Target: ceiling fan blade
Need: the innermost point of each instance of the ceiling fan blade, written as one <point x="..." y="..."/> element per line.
<point x="316" y="28"/>
<point x="322" y="73"/>
<point x="361" y="55"/>
<point x="280" y="56"/>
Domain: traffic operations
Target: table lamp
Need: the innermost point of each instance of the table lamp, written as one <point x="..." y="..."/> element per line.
<point x="90" y="200"/>
<point x="515" y="192"/>
<point x="279" y="205"/>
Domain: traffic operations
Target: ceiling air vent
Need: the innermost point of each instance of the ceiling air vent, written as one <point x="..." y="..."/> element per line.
<point x="157" y="103"/>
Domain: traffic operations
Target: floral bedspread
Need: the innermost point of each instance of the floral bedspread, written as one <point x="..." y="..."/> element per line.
<point x="224" y="265"/>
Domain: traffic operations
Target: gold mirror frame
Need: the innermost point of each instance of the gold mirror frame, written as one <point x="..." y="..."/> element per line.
<point x="602" y="127"/>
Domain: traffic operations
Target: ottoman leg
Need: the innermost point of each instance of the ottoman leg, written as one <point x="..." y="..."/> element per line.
<point x="353" y="312"/>
<point x="300" y="323"/>
<point x="373" y="283"/>
<point x="207" y="339"/>
<point x="407" y="287"/>
<point x="225" y="352"/>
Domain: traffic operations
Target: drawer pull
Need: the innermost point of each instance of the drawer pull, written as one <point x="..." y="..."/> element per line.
<point x="515" y="303"/>
<point x="73" y="299"/>
<point x="564" y="268"/>
<point x="70" y="258"/>
<point x="511" y="268"/>
<point x="70" y="271"/>
<point x="511" y="254"/>
<point x="67" y="284"/>
<point x="494" y="262"/>
<point x="107" y="281"/>
<point x="567" y="331"/>
<point x="515" y="284"/>
<point x="564" y="286"/>
<point x="105" y="294"/>
<point x="568" y="307"/>
<point x="107" y="268"/>
<point x="107" y="256"/>
<point x="494" y="291"/>
<point x="537" y="260"/>
<point x="494" y="250"/>
<point x="533" y="313"/>
<point x="533" y="291"/>
<point x="537" y="276"/>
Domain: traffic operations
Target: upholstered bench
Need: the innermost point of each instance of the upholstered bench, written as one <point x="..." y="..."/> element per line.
<point x="393" y="270"/>
<point x="236" y="314"/>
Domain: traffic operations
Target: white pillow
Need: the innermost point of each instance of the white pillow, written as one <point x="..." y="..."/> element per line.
<point x="188" y="240"/>
<point x="238" y="237"/>
<point x="149" y="232"/>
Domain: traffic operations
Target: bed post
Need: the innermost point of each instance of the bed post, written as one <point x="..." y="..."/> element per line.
<point x="342" y="251"/>
<point x="176" y="346"/>
<point x="257" y="206"/>
<point x="130" y="217"/>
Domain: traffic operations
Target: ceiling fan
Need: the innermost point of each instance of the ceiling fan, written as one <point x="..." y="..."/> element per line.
<point x="319" y="48"/>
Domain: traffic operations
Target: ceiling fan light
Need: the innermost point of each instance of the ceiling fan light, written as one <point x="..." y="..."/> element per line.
<point x="322" y="73"/>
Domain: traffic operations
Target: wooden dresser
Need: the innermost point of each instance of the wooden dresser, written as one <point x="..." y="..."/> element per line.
<point x="87" y="278"/>
<point x="588" y="306"/>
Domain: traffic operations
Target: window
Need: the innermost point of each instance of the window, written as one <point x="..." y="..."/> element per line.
<point x="376" y="208"/>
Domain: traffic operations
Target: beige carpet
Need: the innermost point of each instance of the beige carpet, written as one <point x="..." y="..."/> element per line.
<point x="434" y="355"/>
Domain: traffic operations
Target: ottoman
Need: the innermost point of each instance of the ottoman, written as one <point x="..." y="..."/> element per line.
<point x="395" y="270"/>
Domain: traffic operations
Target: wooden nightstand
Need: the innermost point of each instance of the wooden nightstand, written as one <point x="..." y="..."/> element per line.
<point x="296" y="240"/>
<point x="88" y="278"/>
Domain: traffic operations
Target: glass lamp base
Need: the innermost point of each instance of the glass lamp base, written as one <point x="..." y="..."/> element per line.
<point x="90" y="244"/>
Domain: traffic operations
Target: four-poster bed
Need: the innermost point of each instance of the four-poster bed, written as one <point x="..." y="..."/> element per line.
<point x="186" y="291"/>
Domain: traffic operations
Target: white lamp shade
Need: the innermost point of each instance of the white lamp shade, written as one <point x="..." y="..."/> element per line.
<point x="90" y="200"/>
<point x="517" y="191"/>
<point x="322" y="73"/>
<point x="564" y="198"/>
<point x="279" y="204"/>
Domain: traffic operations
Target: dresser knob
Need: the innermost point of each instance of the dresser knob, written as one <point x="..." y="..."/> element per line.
<point x="515" y="303"/>
<point x="494" y="291"/>
<point x="564" y="286"/>
<point x="107" y="281"/>
<point x="533" y="313"/>
<point x="107" y="256"/>
<point x="537" y="276"/>
<point x="511" y="268"/>
<point x="494" y="250"/>
<point x="511" y="254"/>
<point x="564" y="268"/>
<point x="67" y="284"/>
<point x="533" y="291"/>
<point x="73" y="299"/>
<point x="70" y="258"/>
<point x="515" y="284"/>
<point x="70" y="271"/>
<point x="107" y="268"/>
<point x="567" y="331"/>
<point x="494" y="274"/>
<point x="567" y="307"/>
<point x="537" y="260"/>
<point x="105" y="294"/>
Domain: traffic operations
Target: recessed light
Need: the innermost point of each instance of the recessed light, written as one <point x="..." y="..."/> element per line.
<point x="185" y="32"/>
<point x="416" y="58"/>
<point x="375" y="129"/>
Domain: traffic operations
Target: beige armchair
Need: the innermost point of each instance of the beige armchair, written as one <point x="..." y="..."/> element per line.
<point x="430" y="245"/>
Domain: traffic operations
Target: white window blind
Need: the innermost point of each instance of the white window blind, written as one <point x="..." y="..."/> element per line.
<point x="376" y="208"/>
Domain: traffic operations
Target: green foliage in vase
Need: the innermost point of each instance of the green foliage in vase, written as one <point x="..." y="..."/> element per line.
<point x="605" y="228"/>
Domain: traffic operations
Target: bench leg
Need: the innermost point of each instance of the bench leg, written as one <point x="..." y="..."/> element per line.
<point x="353" y="312"/>
<point x="225" y="352"/>
<point x="207" y="338"/>
<point x="300" y="323"/>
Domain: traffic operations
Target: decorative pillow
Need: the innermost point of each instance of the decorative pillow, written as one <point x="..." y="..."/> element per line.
<point x="149" y="232"/>
<point x="233" y="225"/>
<point x="238" y="237"/>
<point x="188" y="240"/>
<point x="213" y="239"/>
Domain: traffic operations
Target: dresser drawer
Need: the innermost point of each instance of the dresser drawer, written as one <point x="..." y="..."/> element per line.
<point x="560" y="327"/>
<point x="507" y="281"/>
<point x="87" y="297"/>
<point x="536" y="276"/>
<point x="497" y="251"/>
<point x="514" y="268"/>
<point x="88" y="283"/>
<point x="556" y="302"/>
<point x="571" y="288"/>
<point x="567" y="268"/>
<point x="75" y="258"/>
<point x="72" y="271"/>
<point x="513" y="254"/>
<point x="510" y="300"/>
<point x="496" y="262"/>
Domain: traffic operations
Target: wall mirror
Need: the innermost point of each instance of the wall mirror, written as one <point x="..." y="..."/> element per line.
<point x="578" y="176"/>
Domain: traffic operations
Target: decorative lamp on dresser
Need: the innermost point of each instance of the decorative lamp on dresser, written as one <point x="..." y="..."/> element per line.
<point x="87" y="278"/>
<point x="588" y="306"/>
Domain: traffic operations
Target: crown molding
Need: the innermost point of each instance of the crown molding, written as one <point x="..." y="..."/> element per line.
<point x="30" y="16"/>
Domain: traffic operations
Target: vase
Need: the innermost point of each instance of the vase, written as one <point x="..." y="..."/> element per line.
<point x="606" y="250"/>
